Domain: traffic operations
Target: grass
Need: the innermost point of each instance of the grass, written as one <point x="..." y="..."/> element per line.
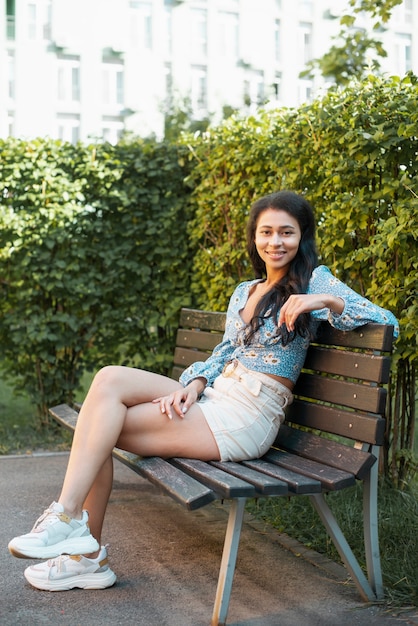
<point x="398" y="511"/>
<point x="398" y="532"/>
<point x="20" y="432"/>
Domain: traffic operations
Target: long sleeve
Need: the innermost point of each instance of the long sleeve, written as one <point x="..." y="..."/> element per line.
<point x="357" y="309"/>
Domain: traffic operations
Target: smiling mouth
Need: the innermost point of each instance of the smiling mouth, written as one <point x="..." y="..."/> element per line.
<point x="277" y="255"/>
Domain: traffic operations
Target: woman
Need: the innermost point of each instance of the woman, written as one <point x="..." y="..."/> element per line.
<point x="229" y="407"/>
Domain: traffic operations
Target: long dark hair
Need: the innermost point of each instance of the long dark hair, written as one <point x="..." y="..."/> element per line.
<point x="300" y="269"/>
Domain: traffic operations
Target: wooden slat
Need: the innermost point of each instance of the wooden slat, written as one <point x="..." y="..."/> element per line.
<point x="355" y="426"/>
<point x="225" y="485"/>
<point x="65" y="415"/>
<point x="185" y="357"/>
<point x="176" y="372"/>
<point x="371" y="337"/>
<point x="330" y="478"/>
<point x="183" y="488"/>
<point x="172" y="481"/>
<point x="200" y="339"/>
<point x="265" y="483"/>
<point x="296" y="483"/>
<point x="356" y="396"/>
<point x="324" y="450"/>
<point x="351" y="364"/>
<point x="205" y="320"/>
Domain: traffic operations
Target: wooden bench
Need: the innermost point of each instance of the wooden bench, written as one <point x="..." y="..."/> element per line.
<point x="330" y="440"/>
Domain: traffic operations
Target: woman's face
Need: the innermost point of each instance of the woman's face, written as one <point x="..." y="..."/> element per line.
<point x="277" y="238"/>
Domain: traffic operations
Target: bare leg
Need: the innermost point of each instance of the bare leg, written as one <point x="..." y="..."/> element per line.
<point x="97" y="499"/>
<point x="118" y="411"/>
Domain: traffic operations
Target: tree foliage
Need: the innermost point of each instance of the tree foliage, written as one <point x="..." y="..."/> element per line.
<point x="355" y="52"/>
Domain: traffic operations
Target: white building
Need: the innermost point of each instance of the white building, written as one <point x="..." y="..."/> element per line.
<point x="83" y="69"/>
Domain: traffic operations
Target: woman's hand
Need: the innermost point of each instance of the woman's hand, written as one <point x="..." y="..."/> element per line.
<point x="182" y="399"/>
<point x="304" y="303"/>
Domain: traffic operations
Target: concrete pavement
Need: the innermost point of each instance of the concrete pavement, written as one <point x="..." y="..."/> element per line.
<point x="167" y="562"/>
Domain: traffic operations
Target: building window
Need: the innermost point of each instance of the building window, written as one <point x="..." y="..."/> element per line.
<point x="168" y="76"/>
<point x="199" y="33"/>
<point x="167" y="42"/>
<point x="113" y="83"/>
<point x="228" y="29"/>
<point x="69" y="80"/>
<point x="277" y="41"/>
<point x="11" y="91"/>
<point x="112" y="129"/>
<point x="10" y="124"/>
<point x="276" y="88"/>
<point x="304" y="91"/>
<point x="199" y="89"/>
<point x="306" y="8"/>
<point x="141" y="24"/>
<point x="403" y="13"/>
<point x="68" y="127"/>
<point x="305" y="33"/>
<point x="403" y="53"/>
<point x="39" y="20"/>
<point x="254" y="91"/>
<point x="11" y="19"/>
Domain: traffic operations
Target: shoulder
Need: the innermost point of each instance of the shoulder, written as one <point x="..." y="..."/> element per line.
<point x="241" y="292"/>
<point x="321" y="274"/>
<point x="321" y="271"/>
<point x="245" y="286"/>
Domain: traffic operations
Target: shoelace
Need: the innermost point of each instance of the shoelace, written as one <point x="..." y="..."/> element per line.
<point x="48" y="517"/>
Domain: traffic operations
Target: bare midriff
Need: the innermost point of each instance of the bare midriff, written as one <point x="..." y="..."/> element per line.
<point x="284" y="381"/>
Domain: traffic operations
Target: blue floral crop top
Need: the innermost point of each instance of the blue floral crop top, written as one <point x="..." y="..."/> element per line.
<point x="266" y="353"/>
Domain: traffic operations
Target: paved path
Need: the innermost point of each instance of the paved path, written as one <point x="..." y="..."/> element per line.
<point x="167" y="562"/>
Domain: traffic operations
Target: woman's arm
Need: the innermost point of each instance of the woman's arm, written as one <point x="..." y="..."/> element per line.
<point x="330" y="299"/>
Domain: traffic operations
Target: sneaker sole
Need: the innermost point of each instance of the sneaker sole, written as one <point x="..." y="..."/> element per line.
<point x="102" y="580"/>
<point x="78" y="545"/>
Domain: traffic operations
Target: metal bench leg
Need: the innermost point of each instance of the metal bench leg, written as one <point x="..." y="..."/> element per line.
<point x="229" y="559"/>
<point x="371" y="531"/>
<point x="343" y="547"/>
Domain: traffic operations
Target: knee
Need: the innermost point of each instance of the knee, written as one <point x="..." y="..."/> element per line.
<point x="107" y="377"/>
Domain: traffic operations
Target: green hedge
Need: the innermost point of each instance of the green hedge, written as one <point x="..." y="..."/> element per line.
<point x="94" y="260"/>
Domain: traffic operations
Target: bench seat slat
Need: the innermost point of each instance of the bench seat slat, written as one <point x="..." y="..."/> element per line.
<point x="172" y="481"/>
<point x="330" y="478"/>
<point x="324" y="450"/>
<point x="355" y="396"/>
<point x="355" y="426"/>
<point x="265" y="483"/>
<point x="224" y="484"/>
<point x="297" y="483"/>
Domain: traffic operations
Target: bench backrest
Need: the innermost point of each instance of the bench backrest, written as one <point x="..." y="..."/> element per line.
<point x="341" y="390"/>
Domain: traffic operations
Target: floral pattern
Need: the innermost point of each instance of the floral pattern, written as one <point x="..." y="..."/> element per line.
<point x="266" y="353"/>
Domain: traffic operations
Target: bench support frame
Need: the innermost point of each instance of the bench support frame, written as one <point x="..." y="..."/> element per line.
<point x="371" y="589"/>
<point x="228" y="562"/>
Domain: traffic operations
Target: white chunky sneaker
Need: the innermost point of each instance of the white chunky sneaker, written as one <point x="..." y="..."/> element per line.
<point x="67" y="572"/>
<point x="55" y="533"/>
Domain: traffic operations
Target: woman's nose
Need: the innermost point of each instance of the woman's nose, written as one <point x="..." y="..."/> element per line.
<point x="275" y="239"/>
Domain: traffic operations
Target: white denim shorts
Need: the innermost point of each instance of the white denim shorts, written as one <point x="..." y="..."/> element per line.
<point x="244" y="410"/>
